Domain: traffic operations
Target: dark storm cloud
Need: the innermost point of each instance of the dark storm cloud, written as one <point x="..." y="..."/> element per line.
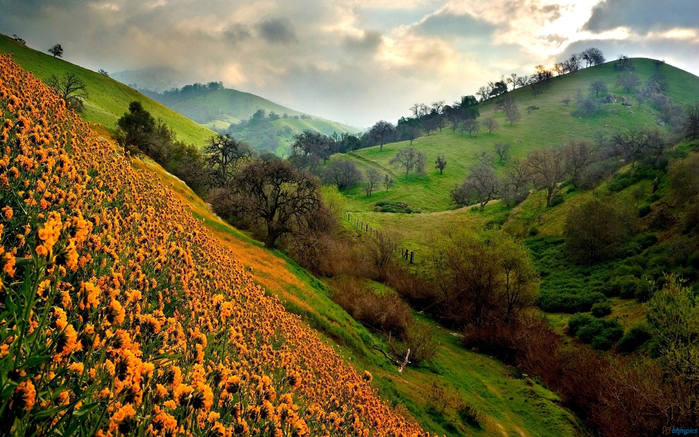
<point x="277" y="31"/>
<point x="643" y="15"/>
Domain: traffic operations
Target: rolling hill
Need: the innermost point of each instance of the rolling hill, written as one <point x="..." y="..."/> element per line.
<point x="550" y="124"/>
<point x="108" y="99"/>
<point x="224" y="109"/>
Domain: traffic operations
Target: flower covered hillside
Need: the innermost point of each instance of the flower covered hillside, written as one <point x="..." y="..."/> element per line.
<point x="121" y="315"/>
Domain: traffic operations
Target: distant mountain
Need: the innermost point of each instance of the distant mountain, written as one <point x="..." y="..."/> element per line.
<point x="157" y="79"/>
<point x="228" y="110"/>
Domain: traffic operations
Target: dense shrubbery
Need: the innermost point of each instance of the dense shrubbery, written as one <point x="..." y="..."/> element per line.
<point x="396" y="207"/>
<point x="601" y="334"/>
<point x="633" y="339"/>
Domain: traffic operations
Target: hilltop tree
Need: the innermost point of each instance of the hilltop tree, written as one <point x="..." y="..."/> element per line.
<point x="408" y="129"/>
<point x="410" y="158"/>
<point x="593" y="56"/>
<point x="382" y="131"/>
<point x="136" y="127"/>
<point x="274" y="193"/>
<point x="509" y="106"/>
<point x="71" y="89"/>
<point x="441" y="163"/>
<point x="224" y="156"/>
<point x="56" y="51"/>
<point x="598" y="87"/>
<point x="373" y="178"/>
<point x="454" y="114"/>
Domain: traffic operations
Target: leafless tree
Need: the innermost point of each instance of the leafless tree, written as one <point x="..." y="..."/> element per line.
<point x="224" y="156"/>
<point x="598" y="87"/>
<point x="577" y="155"/>
<point x="509" y="106"/>
<point x="471" y="126"/>
<point x="503" y="151"/>
<point x="691" y="121"/>
<point x="546" y="168"/>
<point x="441" y="163"/>
<point x="71" y="89"/>
<point x="343" y="174"/>
<point x="593" y="56"/>
<point x="628" y="81"/>
<point x="373" y="178"/>
<point x="515" y="186"/>
<point x="491" y="124"/>
<point x="481" y="184"/>
<point x="409" y="159"/>
<point x="484" y="157"/>
<point x="387" y="182"/>
<point x="382" y="131"/>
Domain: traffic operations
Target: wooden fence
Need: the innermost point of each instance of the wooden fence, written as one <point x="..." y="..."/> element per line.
<point x="406" y="254"/>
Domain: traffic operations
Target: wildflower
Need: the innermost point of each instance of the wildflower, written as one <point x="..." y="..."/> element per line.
<point x="27" y="393"/>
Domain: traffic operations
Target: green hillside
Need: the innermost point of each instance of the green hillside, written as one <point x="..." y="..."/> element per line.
<point x="552" y="123"/>
<point x="108" y="99"/>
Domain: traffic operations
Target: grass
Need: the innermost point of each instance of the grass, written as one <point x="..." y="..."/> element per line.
<point x="551" y="124"/>
<point x="108" y="99"/>
<point x="510" y="406"/>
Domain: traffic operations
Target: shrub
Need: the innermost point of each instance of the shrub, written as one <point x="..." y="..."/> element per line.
<point x="633" y="339"/>
<point x="644" y="291"/>
<point x="644" y="210"/>
<point x="420" y="339"/>
<point x="601" y="309"/>
<point x="578" y="321"/>
<point x="471" y="416"/>
<point x="556" y="201"/>
<point x="553" y="302"/>
<point x="599" y="333"/>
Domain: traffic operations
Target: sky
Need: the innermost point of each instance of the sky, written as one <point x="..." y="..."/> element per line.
<point x="351" y="61"/>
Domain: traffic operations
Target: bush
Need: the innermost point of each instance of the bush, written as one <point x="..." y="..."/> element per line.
<point x="471" y="416"/>
<point x="396" y="207"/>
<point x="599" y="333"/>
<point x="554" y="302"/>
<point x="644" y="292"/>
<point x="420" y="339"/>
<point x="644" y="210"/>
<point x="646" y="240"/>
<point x="578" y="321"/>
<point x="556" y="201"/>
<point x="633" y="339"/>
<point x="627" y="286"/>
<point x="601" y="309"/>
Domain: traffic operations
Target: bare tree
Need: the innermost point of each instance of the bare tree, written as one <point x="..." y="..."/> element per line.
<point x="56" y="51"/>
<point x="387" y="182"/>
<point x="503" y="151"/>
<point x="509" y="106"/>
<point x="224" y="156"/>
<point x="343" y="174"/>
<point x="691" y="121"/>
<point x="481" y="184"/>
<point x="515" y="186"/>
<point x="593" y="231"/>
<point x="409" y="158"/>
<point x="441" y="163"/>
<point x="71" y="89"/>
<point x="547" y="170"/>
<point x="382" y="131"/>
<point x="454" y="114"/>
<point x="598" y="87"/>
<point x="628" y="81"/>
<point x="278" y="195"/>
<point x="471" y="126"/>
<point x="485" y="158"/>
<point x="373" y="178"/>
<point x="310" y="148"/>
<point x="491" y="124"/>
<point x="578" y="155"/>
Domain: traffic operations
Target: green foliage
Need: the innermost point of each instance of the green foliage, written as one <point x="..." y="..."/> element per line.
<point x="395" y="207"/>
<point x="601" y="334"/>
<point x="601" y="309"/>
<point x="633" y="339"/>
<point x="563" y="302"/>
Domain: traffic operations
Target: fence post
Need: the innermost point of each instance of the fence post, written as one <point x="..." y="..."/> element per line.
<point x="412" y="257"/>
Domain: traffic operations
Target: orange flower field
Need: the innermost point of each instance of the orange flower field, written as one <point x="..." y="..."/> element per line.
<point x="121" y="315"/>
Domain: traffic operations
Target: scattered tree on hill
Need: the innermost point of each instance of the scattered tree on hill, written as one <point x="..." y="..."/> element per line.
<point x="274" y="193"/>
<point x="491" y="124"/>
<point x="454" y="114"/>
<point x="387" y="182"/>
<point x="71" y="89"/>
<point x="56" y="51"/>
<point x="577" y="156"/>
<point x="547" y="170"/>
<point x="628" y="81"/>
<point x="343" y="174"/>
<point x="224" y="157"/>
<point x="509" y="106"/>
<point x="410" y="158"/>
<point x="310" y="149"/>
<point x="481" y="184"/>
<point x="515" y="185"/>
<point x="483" y="277"/>
<point x="471" y="126"/>
<point x="19" y="39"/>
<point x="503" y="151"/>
<point x="408" y="129"/>
<point x="691" y="121"/>
<point x="593" y="231"/>
<point x="382" y="131"/>
<point x="136" y="127"/>
<point x="683" y="179"/>
<point x="598" y="87"/>
<point x="373" y="179"/>
<point x="103" y="72"/>
<point x="441" y="163"/>
<point x="485" y="158"/>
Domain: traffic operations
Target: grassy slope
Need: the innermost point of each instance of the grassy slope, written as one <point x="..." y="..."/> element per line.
<point x="551" y="124"/>
<point x="512" y="406"/>
<point x="108" y="99"/>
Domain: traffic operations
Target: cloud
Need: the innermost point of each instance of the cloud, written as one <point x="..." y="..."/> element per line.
<point x="368" y="43"/>
<point x="643" y="16"/>
<point x="277" y="31"/>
